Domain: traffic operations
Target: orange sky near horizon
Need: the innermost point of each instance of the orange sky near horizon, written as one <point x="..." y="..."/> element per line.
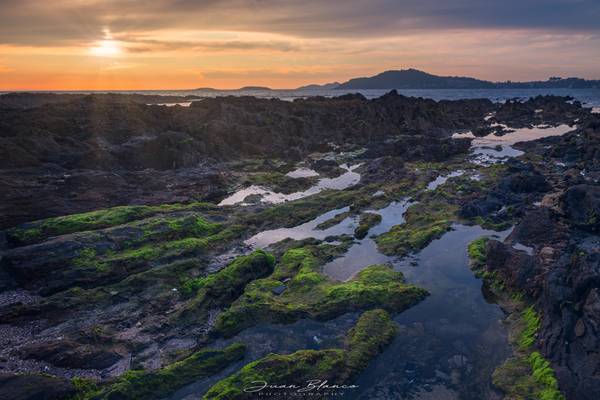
<point x="103" y="45"/>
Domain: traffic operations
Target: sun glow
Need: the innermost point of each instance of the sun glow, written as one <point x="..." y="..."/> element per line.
<point x="106" y="48"/>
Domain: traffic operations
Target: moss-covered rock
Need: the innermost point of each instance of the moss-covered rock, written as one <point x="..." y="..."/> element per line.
<point x="423" y="223"/>
<point x="526" y="374"/>
<point x="435" y="211"/>
<point x="334" y="220"/>
<point x="104" y="256"/>
<point x="33" y="232"/>
<point x="223" y="287"/>
<point x="308" y="293"/>
<point x="373" y="331"/>
<point x="142" y="385"/>
<point x="477" y="251"/>
<point x="366" y="222"/>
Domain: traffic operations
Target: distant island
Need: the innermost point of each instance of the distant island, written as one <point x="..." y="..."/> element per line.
<point x="255" y="88"/>
<point x="326" y="86"/>
<point x="209" y="89"/>
<point x="415" y="79"/>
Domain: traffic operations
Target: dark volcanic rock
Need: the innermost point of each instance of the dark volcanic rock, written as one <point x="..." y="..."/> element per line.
<point x="34" y="387"/>
<point x="552" y="110"/>
<point x="70" y="354"/>
<point x="523" y="178"/>
<point x="52" y="146"/>
<point x="562" y="276"/>
<point x="538" y="225"/>
<point x="70" y="154"/>
<point x="516" y="266"/>
<point x="582" y="205"/>
<point x="521" y="184"/>
<point x="36" y="193"/>
<point x="89" y="131"/>
<point x="420" y="146"/>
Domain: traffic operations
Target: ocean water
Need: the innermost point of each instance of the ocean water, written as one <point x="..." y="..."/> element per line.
<point x="589" y="97"/>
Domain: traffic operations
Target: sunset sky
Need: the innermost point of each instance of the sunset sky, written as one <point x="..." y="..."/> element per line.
<point x="183" y="44"/>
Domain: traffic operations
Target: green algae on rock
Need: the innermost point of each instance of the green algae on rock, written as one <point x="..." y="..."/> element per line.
<point x="526" y="374"/>
<point x="142" y="385"/>
<point x="33" y="232"/>
<point x="373" y="331"/>
<point x="421" y="227"/>
<point x="298" y="289"/>
<point x="224" y="286"/>
<point x="367" y="221"/>
<point x="224" y="283"/>
<point x="435" y="211"/>
<point x="334" y="220"/>
<point x="477" y="252"/>
<point x="91" y="267"/>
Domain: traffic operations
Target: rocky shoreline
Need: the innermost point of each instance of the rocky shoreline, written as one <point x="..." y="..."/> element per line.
<point x="558" y="265"/>
<point x="117" y="257"/>
<point x="97" y="151"/>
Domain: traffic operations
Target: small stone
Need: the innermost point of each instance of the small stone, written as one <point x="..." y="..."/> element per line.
<point x="457" y="361"/>
<point x="278" y="290"/>
<point x="579" y="328"/>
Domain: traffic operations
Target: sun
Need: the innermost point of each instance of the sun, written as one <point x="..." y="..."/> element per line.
<point x="106" y="48"/>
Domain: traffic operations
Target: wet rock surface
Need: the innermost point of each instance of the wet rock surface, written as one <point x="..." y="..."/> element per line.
<point x="143" y="286"/>
<point x="64" y="154"/>
<point x="562" y="275"/>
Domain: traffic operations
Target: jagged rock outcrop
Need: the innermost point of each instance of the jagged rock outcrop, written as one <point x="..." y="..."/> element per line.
<point x="66" y="154"/>
<point x="561" y="275"/>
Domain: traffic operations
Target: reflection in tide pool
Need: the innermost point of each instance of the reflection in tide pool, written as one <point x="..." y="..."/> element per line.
<point x="364" y="252"/>
<point x="492" y="149"/>
<point x="184" y="104"/>
<point x="305" y="231"/>
<point x="302" y="172"/>
<point x="440" y="180"/>
<point x="450" y="343"/>
<point x="345" y="180"/>
<point x="521" y="247"/>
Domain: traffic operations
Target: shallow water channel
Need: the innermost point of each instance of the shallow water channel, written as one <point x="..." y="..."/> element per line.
<point x="450" y="343"/>
<point x="344" y="181"/>
<point x="492" y="148"/>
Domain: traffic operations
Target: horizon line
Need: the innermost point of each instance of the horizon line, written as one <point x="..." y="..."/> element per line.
<point x="265" y="88"/>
